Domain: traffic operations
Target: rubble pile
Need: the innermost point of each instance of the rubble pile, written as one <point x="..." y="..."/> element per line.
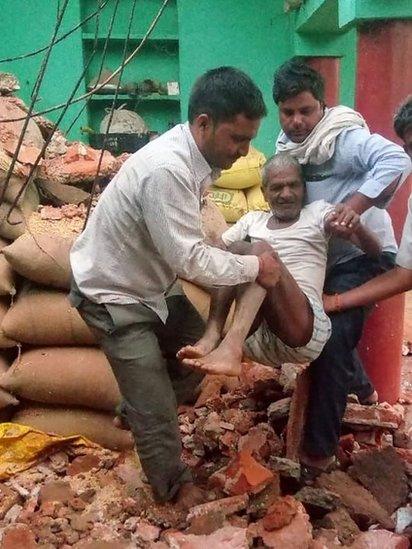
<point x="235" y="440"/>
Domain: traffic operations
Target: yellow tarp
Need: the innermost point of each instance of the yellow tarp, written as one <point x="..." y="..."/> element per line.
<point x="22" y="446"/>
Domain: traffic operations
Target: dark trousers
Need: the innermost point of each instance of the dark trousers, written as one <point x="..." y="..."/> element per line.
<point x="142" y="353"/>
<point x="338" y="371"/>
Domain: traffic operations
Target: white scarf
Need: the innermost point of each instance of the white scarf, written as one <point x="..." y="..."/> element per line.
<point x="319" y="146"/>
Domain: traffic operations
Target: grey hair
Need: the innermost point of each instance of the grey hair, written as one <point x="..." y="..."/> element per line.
<point x="280" y="161"/>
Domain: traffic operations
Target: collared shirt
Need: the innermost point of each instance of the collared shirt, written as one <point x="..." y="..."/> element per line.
<point x="365" y="163"/>
<point x="146" y="230"/>
<point x="404" y="257"/>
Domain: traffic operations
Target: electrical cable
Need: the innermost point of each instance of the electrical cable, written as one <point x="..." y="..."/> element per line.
<point x="62" y="37"/>
<point x="112" y="108"/>
<point x="115" y="73"/>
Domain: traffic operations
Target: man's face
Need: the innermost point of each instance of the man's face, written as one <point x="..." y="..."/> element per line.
<point x="407" y="139"/>
<point x="298" y="115"/>
<point x="222" y="143"/>
<point x="284" y="192"/>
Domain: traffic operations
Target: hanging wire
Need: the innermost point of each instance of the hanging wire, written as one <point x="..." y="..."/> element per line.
<point x="103" y="84"/>
<point x="35" y="93"/>
<point x="105" y="47"/>
<point x="60" y="39"/>
<point x="112" y="108"/>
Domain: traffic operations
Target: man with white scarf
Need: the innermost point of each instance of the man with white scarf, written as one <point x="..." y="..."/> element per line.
<point x="342" y="162"/>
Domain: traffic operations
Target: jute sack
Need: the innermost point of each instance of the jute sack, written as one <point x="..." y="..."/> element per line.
<point x="45" y="317"/>
<point x="74" y="376"/>
<point x="96" y="426"/>
<point x="213" y="222"/>
<point x="13" y="224"/>
<point x="256" y="200"/>
<point x="43" y="259"/>
<point x="245" y="172"/>
<point x="6" y="399"/>
<point x="7" y="286"/>
<point x="231" y="203"/>
<point x="5" y="341"/>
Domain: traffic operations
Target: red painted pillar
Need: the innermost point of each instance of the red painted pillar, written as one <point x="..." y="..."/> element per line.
<point x="328" y="67"/>
<point x="384" y="79"/>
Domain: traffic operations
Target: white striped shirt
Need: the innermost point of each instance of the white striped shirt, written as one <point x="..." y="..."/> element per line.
<point x="146" y="230"/>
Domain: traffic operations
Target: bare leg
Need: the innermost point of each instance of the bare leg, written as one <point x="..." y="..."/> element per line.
<point x="286" y="310"/>
<point x="226" y="359"/>
<point x="219" y="308"/>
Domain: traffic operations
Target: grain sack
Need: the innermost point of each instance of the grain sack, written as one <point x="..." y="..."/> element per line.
<point x="4" y="364"/>
<point x="256" y="200"/>
<point x="7" y="286"/>
<point x="245" y="172"/>
<point x="231" y="203"/>
<point x="45" y="317"/>
<point x="213" y="222"/>
<point x="6" y="399"/>
<point x="5" y="341"/>
<point x="96" y="426"/>
<point x="16" y="228"/>
<point x="43" y="259"/>
<point x="74" y="376"/>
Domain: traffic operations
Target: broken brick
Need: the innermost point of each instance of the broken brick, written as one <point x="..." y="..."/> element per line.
<point x="245" y="475"/>
<point x="242" y="420"/>
<point x="227" y="506"/>
<point x="280" y="513"/>
<point x="8" y="498"/>
<point x="262" y="380"/>
<point x="18" y="536"/>
<point x="261" y="441"/>
<point x="260" y="503"/>
<point x="380" y="415"/>
<point x="361" y="504"/>
<point x="340" y="521"/>
<point x="279" y="409"/>
<point x="378" y="539"/>
<point x="211" y="388"/>
<point x="145" y="532"/>
<point x="83" y="464"/>
<point x="297" y="415"/>
<point x="228" y="537"/>
<point x="55" y="491"/>
<point x="296" y="535"/>
<point x="382" y="472"/>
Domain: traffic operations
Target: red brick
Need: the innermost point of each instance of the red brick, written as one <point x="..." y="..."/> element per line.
<point x="8" y="498"/>
<point x="228" y="537"/>
<point x="361" y="504"/>
<point x="18" y="536"/>
<point x="210" y="390"/>
<point x="245" y="475"/>
<point x="259" y="379"/>
<point x="382" y="472"/>
<point x="380" y="539"/>
<point x="146" y="532"/>
<point x="243" y="420"/>
<point x="83" y="464"/>
<point x="296" y="535"/>
<point x="226" y="506"/>
<point x="55" y="491"/>
<point x="297" y="415"/>
<point x="261" y="441"/>
<point x="381" y="415"/>
<point x="280" y="513"/>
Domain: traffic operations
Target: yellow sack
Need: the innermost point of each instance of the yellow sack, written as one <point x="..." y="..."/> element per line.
<point x="245" y="172"/>
<point x="256" y="200"/>
<point x="21" y="447"/>
<point x="232" y="203"/>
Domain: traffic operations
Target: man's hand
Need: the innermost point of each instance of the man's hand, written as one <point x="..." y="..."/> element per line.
<point x="343" y="221"/>
<point x="330" y="303"/>
<point x="269" y="270"/>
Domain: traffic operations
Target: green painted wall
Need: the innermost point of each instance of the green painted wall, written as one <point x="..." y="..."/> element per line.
<point x="256" y="39"/>
<point x="26" y="26"/>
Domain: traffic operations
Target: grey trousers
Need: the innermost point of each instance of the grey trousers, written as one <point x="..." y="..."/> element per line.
<point x="142" y="353"/>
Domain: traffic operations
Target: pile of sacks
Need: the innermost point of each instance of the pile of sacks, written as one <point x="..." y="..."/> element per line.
<point x="238" y="190"/>
<point x="60" y="381"/>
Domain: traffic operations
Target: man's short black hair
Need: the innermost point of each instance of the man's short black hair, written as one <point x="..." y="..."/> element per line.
<point x="294" y="77"/>
<point x="403" y="118"/>
<point x="223" y="93"/>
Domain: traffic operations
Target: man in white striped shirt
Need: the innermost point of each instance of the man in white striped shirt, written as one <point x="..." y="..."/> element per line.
<point x="144" y="232"/>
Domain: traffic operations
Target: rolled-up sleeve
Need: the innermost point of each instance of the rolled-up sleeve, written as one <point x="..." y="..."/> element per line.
<point x="171" y="210"/>
<point x="384" y="161"/>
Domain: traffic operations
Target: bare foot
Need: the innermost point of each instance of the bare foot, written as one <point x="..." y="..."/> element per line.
<point x="204" y="346"/>
<point x="190" y="495"/>
<point x="224" y="360"/>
